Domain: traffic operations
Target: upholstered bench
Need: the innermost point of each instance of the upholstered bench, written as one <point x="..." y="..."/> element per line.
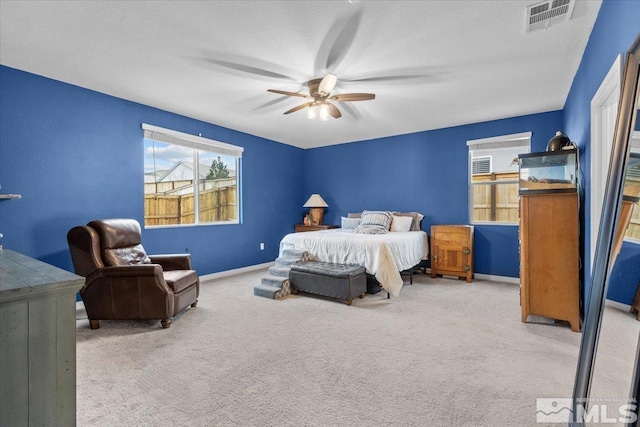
<point x="343" y="281"/>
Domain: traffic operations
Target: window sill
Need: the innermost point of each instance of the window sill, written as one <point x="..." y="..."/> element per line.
<point x="152" y="227"/>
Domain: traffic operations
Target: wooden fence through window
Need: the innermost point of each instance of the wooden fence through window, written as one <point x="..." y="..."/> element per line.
<point x="215" y="204"/>
<point x="632" y="188"/>
<point x="497" y="201"/>
<point x="493" y="199"/>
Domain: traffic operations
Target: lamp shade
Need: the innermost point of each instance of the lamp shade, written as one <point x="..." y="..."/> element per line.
<point x="315" y="201"/>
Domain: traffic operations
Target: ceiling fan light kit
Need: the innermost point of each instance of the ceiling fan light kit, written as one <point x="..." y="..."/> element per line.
<point x="319" y="92"/>
<point x="318" y="111"/>
<point x="311" y="112"/>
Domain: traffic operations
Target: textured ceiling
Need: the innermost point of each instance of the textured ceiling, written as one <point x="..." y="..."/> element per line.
<point x="452" y="62"/>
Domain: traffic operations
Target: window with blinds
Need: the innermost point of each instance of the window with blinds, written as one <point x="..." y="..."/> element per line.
<point x="189" y="180"/>
<point x="493" y="178"/>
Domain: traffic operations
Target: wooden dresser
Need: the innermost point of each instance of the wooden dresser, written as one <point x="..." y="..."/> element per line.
<point x="452" y="251"/>
<point x="302" y="228"/>
<point x="549" y="257"/>
<point x="37" y="342"/>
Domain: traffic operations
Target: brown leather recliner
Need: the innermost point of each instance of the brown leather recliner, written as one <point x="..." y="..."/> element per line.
<point x="122" y="282"/>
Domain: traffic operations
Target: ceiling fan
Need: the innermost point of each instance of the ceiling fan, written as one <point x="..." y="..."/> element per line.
<point x="320" y="94"/>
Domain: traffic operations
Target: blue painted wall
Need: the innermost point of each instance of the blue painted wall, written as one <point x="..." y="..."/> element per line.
<point x="425" y="172"/>
<point x="616" y="28"/>
<point x="625" y="275"/>
<point x="76" y="155"/>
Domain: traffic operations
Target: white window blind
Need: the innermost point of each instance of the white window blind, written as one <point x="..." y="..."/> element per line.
<point x="197" y="142"/>
<point x="515" y="140"/>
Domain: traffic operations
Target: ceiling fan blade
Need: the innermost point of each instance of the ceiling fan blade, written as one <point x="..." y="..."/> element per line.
<point x="351" y="111"/>
<point x="388" y="78"/>
<point x="270" y="103"/>
<point x="337" y="42"/>
<point x="353" y="97"/>
<point x="327" y="84"/>
<point x="284" y="92"/>
<point x="333" y="111"/>
<point x="299" y="107"/>
<point x="397" y="75"/>
<point x="249" y="69"/>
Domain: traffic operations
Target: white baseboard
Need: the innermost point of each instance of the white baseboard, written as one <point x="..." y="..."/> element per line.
<point x="236" y="271"/>
<point x="492" y="278"/>
<point x="249" y="268"/>
<point x="618" y="305"/>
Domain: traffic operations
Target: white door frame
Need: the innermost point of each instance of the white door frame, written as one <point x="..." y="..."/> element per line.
<point x="604" y="111"/>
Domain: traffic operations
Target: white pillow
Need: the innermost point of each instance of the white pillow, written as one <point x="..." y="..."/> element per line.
<point x="374" y="222"/>
<point x="417" y="219"/>
<point x="401" y="223"/>
<point x="350" y="223"/>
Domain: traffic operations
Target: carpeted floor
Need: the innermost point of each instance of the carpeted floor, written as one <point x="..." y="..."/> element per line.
<point x="444" y="353"/>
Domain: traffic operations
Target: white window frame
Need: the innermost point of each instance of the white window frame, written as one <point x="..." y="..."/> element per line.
<point x="196" y="143"/>
<point x="522" y="139"/>
<point x="604" y="110"/>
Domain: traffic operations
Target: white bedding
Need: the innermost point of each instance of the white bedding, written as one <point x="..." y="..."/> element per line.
<point x="383" y="255"/>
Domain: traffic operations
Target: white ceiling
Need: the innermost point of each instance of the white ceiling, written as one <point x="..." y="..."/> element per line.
<point x="463" y="61"/>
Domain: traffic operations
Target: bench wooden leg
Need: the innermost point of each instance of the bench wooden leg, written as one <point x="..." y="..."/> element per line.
<point x="166" y="323"/>
<point x="94" y="324"/>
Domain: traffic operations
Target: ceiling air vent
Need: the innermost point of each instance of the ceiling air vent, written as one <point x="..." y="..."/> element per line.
<point x="547" y="13"/>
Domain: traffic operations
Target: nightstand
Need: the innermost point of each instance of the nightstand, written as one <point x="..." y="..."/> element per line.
<point x="300" y="228"/>
<point x="452" y="251"/>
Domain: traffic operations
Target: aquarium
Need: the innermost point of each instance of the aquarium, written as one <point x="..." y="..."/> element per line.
<point x="548" y="172"/>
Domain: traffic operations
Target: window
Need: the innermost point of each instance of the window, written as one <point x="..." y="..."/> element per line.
<point x="632" y="187"/>
<point x="493" y="178"/>
<point x="189" y="180"/>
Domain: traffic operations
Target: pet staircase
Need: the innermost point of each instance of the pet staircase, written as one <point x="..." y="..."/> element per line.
<point x="276" y="284"/>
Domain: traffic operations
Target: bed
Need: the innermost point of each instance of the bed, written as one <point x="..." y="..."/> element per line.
<point x="383" y="255"/>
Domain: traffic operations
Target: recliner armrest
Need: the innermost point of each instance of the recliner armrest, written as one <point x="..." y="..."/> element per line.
<point x="131" y="270"/>
<point x="172" y="261"/>
<point x="134" y="274"/>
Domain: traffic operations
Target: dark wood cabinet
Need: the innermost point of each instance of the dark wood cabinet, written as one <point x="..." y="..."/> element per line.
<point x="452" y="251"/>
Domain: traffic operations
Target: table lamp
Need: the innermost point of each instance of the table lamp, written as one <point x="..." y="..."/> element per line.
<point x="316" y="207"/>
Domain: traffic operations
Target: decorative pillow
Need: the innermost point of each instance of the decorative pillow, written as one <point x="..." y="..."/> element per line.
<point x="350" y="223"/>
<point x="354" y="215"/>
<point x="374" y="222"/>
<point x="417" y="219"/>
<point x="401" y="223"/>
<point x="126" y="256"/>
